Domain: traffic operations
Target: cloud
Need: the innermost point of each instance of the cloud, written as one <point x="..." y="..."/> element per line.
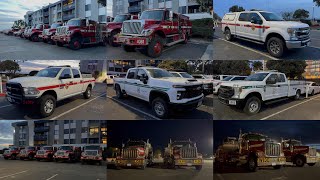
<point x="6" y="133"/>
<point x="27" y="66"/>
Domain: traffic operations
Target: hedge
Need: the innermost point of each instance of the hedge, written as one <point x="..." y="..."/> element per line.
<point x="202" y="28"/>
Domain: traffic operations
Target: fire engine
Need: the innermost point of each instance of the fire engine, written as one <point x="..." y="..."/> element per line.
<point x="11" y="153"/>
<point x="299" y="154"/>
<point x="78" y="32"/>
<point x="182" y="153"/>
<point x="48" y="33"/>
<point x="67" y="153"/>
<point x="45" y="153"/>
<point x="28" y="153"/>
<point x="153" y="30"/>
<point x="34" y="32"/>
<point x="250" y="150"/>
<point x="114" y="27"/>
<point x="135" y="154"/>
<point x="91" y="153"/>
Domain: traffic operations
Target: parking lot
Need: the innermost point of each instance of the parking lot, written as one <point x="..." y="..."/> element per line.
<point x="206" y="173"/>
<point x="287" y="109"/>
<point x="12" y="47"/>
<point x="135" y="109"/>
<point x="288" y="172"/>
<point x="17" y="169"/>
<point x="241" y="50"/>
<point x="195" y="49"/>
<point x="75" y="108"/>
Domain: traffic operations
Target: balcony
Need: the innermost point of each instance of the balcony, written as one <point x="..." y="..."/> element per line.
<point x="41" y="129"/>
<point x="134" y="9"/>
<point x="40" y="137"/>
<point x="67" y="17"/>
<point x="46" y="21"/>
<point x="132" y="1"/>
<point x="68" y="7"/>
<point x="46" y="13"/>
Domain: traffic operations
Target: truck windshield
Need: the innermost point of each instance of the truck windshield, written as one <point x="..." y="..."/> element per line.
<point x="49" y="72"/>
<point x="38" y="26"/>
<point x="156" y="15"/>
<point x="47" y="148"/>
<point x="186" y="75"/>
<point x="271" y="16"/>
<point x="91" y="147"/>
<point x="198" y="77"/>
<point x="257" y="77"/>
<point x="31" y="148"/>
<point x="66" y="148"/>
<point x="55" y="25"/>
<point x="159" y="73"/>
<point x="227" y="78"/>
<point x="74" y="22"/>
<point x="120" y="18"/>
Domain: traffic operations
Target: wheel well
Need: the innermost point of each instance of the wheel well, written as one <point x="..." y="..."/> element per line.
<point x="155" y="94"/>
<point x="90" y="85"/>
<point x="50" y="92"/>
<point x="226" y="28"/>
<point x="256" y="94"/>
<point x="253" y="154"/>
<point x="273" y="35"/>
<point x="160" y="33"/>
<point x="301" y="156"/>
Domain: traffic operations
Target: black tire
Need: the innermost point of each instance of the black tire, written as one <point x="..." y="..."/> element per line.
<point x="160" y="108"/>
<point x="311" y="164"/>
<point x="60" y="44"/>
<point x="312" y="93"/>
<point x="299" y="161"/>
<point x="128" y="48"/>
<point x="47" y="105"/>
<point x="252" y="105"/>
<point x="155" y="47"/>
<point x="252" y="164"/>
<point x="75" y="43"/>
<point x="30" y="157"/>
<point x="38" y="159"/>
<point x="276" y="47"/>
<point x="227" y="35"/>
<point x="198" y="168"/>
<point x="298" y="94"/>
<point x="13" y="157"/>
<point x="277" y="167"/>
<point x="119" y="93"/>
<point x="87" y="93"/>
<point x="45" y="41"/>
<point x="5" y="158"/>
<point x="21" y="158"/>
<point x="34" y="38"/>
<point x="82" y="162"/>
<point x="110" y="40"/>
<point x="186" y="39"/>
<point x="99" y="163"/>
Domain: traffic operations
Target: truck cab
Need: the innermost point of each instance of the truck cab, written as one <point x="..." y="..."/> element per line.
<point x="91" y="153"/>
<point x="49" y="32"/>
<point x="28" y="153"/>
<point x="11" y="153"/>
<point x="64" y="153"/>
<point x="36" y="31"/>
<point x="45" y="153"/>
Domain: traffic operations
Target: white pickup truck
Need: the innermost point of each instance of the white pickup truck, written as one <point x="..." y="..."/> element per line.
<point x="161" y="89"/>
<point x="258" y="88"/>
<point x="266" y="28"/>
<point x="48" y="86"/>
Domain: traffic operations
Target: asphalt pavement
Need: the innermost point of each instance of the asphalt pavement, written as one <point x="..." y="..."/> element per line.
<point x="288" y="109"/>
<point x="34" y="170"/>
<point x="131" y="108"/>
<point x="75" y="108"/>
<point x="12" y="47"/>
<point x="206" y="173"/>
<point x="243" y="50"/>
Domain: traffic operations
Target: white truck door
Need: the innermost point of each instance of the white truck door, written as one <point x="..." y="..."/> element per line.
<point x="283" y="85"/>
<point x="271" y="88"/>
<point x="143" y="90"/>
<point x="66" y="80"/>
<point x="244" y="22"/>
<point x="131" y="82"/>
<point x="78" y="84"/>
<point x="255" y="28"/>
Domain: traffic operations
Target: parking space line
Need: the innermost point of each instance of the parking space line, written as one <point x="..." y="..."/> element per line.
<point x="289" y="108"/>
<point x="250" y="49"/>
<point x="10" y="175"/>
<point x="52" y="177"/>
<point x="5" y="106"/>
<point x="66" y="112"/>
<point x="132" y="108"/>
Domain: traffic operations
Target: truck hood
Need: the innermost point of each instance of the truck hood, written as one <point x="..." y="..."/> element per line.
<point x="242" y="83"/>
<point x="301" y="149"/>
<point x="179" y="81"/>
<point x="32" y="81"/>
<point x="113" y="25"/>
<point x="145" y="23"/>
<point x="288" y="24"/>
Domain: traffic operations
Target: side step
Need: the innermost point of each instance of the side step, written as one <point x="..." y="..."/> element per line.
<point x="277" y="100"/>
<point x="175" y="42"/>
<point x="246" y="39"/>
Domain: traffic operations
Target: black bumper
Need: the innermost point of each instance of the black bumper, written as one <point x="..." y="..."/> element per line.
<point x="189" y="105"/>
<point x="226" y="101"/>
<point x="22" y="100"/>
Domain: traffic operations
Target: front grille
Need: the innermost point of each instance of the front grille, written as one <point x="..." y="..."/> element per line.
<point x="303" y="34"/>
<point x="273" y="149"/>
<point x="45" y="32"/>
<point x="189" y="152"/>
<point x="192" y="91"/>
<point x="132" y="27"/>
<point x="60" y="153"/>
<point x="40" y="152"/>
<point x="14" y="90"/>
<point x="130" y="153"/>
<point x="91" y="153"/>
<point x="61" y="30"/>
<point x="312" y="151"/>
<point x="226" y="92"/>
<point x="23" y="152"/>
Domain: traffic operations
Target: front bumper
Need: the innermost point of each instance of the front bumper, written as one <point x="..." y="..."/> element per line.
<point x="298" y="44"/>
<point x="271" y="161"/>
<point x="188" y="162"/>
<point x="61" y="38"/>
<point x="22" y="100"/>
<point x="188" y="105"/>
<point x="132" y="40"/>
<point x="230" y="101"/>
<point x="130" y="162"/>
<point x="41" y="157"/>
<point x="86" y="158"/>
<point x="312" y="159"/>
<point x="61" y="157"/>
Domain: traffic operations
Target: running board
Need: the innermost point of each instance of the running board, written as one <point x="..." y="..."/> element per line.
<point x="175" y="42"/>
<point x="275" y="101"/>
<point x="250" y="40"/>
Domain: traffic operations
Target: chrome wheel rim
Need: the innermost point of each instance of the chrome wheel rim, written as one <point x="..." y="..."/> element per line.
<point x="48" y="106"/>
<point x="275" y="47"/>
<point x="159" y="108"/>
<point x="253" y="106"/>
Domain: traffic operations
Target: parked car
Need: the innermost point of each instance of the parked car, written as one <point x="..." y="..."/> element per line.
<point x="227" y="79"/>
<point x="314" y="88"/>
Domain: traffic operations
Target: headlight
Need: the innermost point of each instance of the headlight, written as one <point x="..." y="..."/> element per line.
<point x="292" y="33"/>
<point x="109" y="30"/>
<point x="31" y="91"/>
<point x="49" y="33"/>
<point x="147" y="32"/>
<point x="179" y="95"/>
<point x="237" y="90"/>
<point x="69" y="32"/>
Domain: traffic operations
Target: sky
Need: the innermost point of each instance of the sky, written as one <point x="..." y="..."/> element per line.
<point x="6" y="133"/>
<point x="159" y="133"/>
<point x="222" y="6"/>
<point x="27" y="66"/>
<point x="11" y="10"/>
<point x="306" y="131"/>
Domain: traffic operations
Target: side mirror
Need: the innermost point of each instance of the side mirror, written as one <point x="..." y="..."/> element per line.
<point x="271" y="81"/>
<point x="171" y="15"/>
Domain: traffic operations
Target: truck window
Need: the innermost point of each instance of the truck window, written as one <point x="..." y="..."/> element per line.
<point x="238" y="78"/>
<point x="75" y="73"/>
<point x="132" y="73"/>
<point x="274" y="76"/>
<point x="281" y="78"/>
<point x="254" y="16"/>
<point x="141" y="73"/>
<point x="229" y="17"/>
<point x="66" y="72"/>
<point x="243" y="17"/>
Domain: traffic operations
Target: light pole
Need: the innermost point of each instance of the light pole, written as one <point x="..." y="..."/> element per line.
<point x="313" y="12"/>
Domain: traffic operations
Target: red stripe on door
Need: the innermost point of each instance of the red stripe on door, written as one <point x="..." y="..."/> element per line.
<point x="62" y="85"/>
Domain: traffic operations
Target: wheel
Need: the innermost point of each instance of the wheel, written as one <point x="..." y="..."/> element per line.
<point x="35" y="38"/>
<point x="155" y="47"/>
<point x="30" y="157"/>
<point x="128" y="48"/>
<point x="119" y="93"/>
<point x="5" y="158"/>
<point x="297" y="96"/>
<point x="82" y="162"/>
<point x="99" y="163"/>
<point x="277" y="167"/>
<point x="47" y="105"/>
<point x="21" y="158"/>
<point x="228" y="35"/>
<point x="45" y="41"/>
<point x="198" y="168"/>
<point x="13" y="157"/>
<point x="252" y="105"/>
<point x="299" y="161"/>
<point x="60" y="44"/>
<point x="38" y="159"/>
<point x="252" y="164"/>
<point x="111" y="39"/>
<point x="160" y="107"/>
<point x="311" y="164"/>
<point x="186" y="38"/>
<point x="87" y="94"/>
<point x="312" y="93"/>
<point x="275" y="47"/>
<point x="75" y="43"/>
<point x="55" y="160"/>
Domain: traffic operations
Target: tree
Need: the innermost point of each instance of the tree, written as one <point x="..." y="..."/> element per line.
<point x="103" y="2"/>
<point x="174" y="65"/>
<point x="292" y="69"/>
<point x="19" y="24"/>
<point x="234" y="67"/>
<point x="204" y="5"/>
<point x="287" y="15"/>
<point x="301" y="14"/>
<point x="317" y="2"/>
<point x="257" y="65"/>
<point x="236" y="8"/>
<point x="9" y="66"/>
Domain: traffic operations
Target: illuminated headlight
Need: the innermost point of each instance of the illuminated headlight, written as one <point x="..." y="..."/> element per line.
<point x="292" y="33"/>
<point x="83" y="154"/>
<point x="31" y="91"/>
<point x="49" y="33"/>
<point x="147" y="32"/>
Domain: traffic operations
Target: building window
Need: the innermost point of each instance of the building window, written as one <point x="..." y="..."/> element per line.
<point x="66" y="141"/>
<point x="84" y="130"/>
<point x="72" y="141"/>
<point x="72" y="131"/>
<point x="84" y="141"/>
<point x="66" y="131"/>
<point x="56" y="132"/>
<point x="88" y="7"/>
<point x="94" y="141"/>
<point x="66" y="121"/>
<point x="55" y="141"/>
<point x="94" y="130"/>
<point x="55" y="122"/>
<point x="102" y="18"/>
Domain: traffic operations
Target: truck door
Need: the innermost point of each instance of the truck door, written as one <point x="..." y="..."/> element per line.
<point x="131" y="82"/>
<point x="271" y="90"/>
<point x="283" y="85"/>
<point x="78" y="82"/>
<point x="243" y="22"/>
<point x="168" y="25"/>
<point x="65" y="83"/>
<point x="255" y="29"/>
<point x="143" y="89"/>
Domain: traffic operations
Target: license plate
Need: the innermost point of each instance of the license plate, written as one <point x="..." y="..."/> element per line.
<point x="140" y="41"/>
<point x="232" y="102"/>
<point x="189" y="164"/>
<point x="129" y="165"/>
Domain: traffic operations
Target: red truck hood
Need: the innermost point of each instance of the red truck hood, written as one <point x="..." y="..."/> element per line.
<point x="301" y="149"/>
<point x="146" y="23"/>
<point x="114" y="25"/>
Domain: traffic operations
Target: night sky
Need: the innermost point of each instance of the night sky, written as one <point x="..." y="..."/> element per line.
<point x="159" y="133"/>
<point x="306" y="131"/>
